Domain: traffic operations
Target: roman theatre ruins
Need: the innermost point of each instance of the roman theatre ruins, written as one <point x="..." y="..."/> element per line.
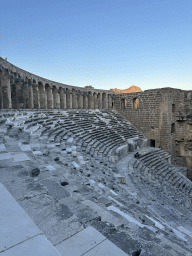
<point x="90" y="172"/>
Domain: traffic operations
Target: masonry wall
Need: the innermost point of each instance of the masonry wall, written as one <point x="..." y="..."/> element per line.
<point x="144" y="117"/>
<point x="164" y="116"/>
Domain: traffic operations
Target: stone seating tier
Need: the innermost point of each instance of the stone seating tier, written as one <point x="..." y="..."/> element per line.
<point x="79" y="187"/>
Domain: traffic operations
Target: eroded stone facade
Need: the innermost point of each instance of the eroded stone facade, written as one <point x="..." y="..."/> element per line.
<point x="165" y="117"/>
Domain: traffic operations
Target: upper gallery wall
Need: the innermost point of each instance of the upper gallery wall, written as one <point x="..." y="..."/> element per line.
<point x="20" y="89"/>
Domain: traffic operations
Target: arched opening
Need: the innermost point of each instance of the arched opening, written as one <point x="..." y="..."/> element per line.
<point x="123" y="104"/>
<point x="173" y="128"/>
<point x="152" y="143"/>
<point x="135" y="103"/>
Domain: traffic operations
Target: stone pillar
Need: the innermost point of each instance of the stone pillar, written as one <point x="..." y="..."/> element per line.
<point x="49" y="98"/>
<point x="1" y="98"/>
<point x="5" y="89"/>
<point x="99" y="101"/>
<point x="80" y="100"/>
<point x="109" y="101"/>
<point x="19" y="94"/>
<point x="56" y="98"/>
<point x="46" y="99"/>
<point x="62" y="98"/>
<point x="85" y="100"/>
<point x="90" y="100"/>
<point x="74" y="99"/>
<point x="43" y="97"/>
<point x="36" y="98"/>
<point x="31" y="102"/>
<point x="95" y="100"/>
<point x="25" y="95"/>
<point x="69" y="99"/>
<point x="104" y="101"/>
<point x="14" y="95"/>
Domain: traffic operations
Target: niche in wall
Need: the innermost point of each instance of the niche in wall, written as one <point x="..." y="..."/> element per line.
<point x="123" y="105"/>
<point x="172" y="128"/>
<point x="135" y="103"/>
<point x="152" y="143"/>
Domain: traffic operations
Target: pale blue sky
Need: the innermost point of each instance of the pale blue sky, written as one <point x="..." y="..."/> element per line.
<point x="103" y="43"/>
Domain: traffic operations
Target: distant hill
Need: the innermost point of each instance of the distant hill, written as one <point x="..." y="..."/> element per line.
<point x="131" y="89"/>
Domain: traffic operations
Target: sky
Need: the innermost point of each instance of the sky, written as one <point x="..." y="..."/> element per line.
<point x="103" y="43"/>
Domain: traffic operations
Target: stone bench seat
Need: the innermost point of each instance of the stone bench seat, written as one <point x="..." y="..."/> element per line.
<point x="94" y="145"/>
<point x="180" y="184"/>
<point x="149" y="159"/>
<point x="168" y="175"/>
<point x="92" y="142"/>
<point x="160" y="165"/>
<point x="153" y="164"/>
<point x="59" y="135"/>
<point x="175" y="180"/>
<point x="165" y="174"/>
<point x="146" y="155"/>
<point x="162" y="169"/>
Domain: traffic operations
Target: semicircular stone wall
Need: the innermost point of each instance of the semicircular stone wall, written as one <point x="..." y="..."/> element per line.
<point x="20" y="89"/>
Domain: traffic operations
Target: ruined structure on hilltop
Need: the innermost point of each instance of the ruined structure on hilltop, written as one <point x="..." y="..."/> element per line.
<point x="164" y="116"/>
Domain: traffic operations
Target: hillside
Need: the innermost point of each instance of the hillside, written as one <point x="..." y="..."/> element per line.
<point x="131" y="89"/>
